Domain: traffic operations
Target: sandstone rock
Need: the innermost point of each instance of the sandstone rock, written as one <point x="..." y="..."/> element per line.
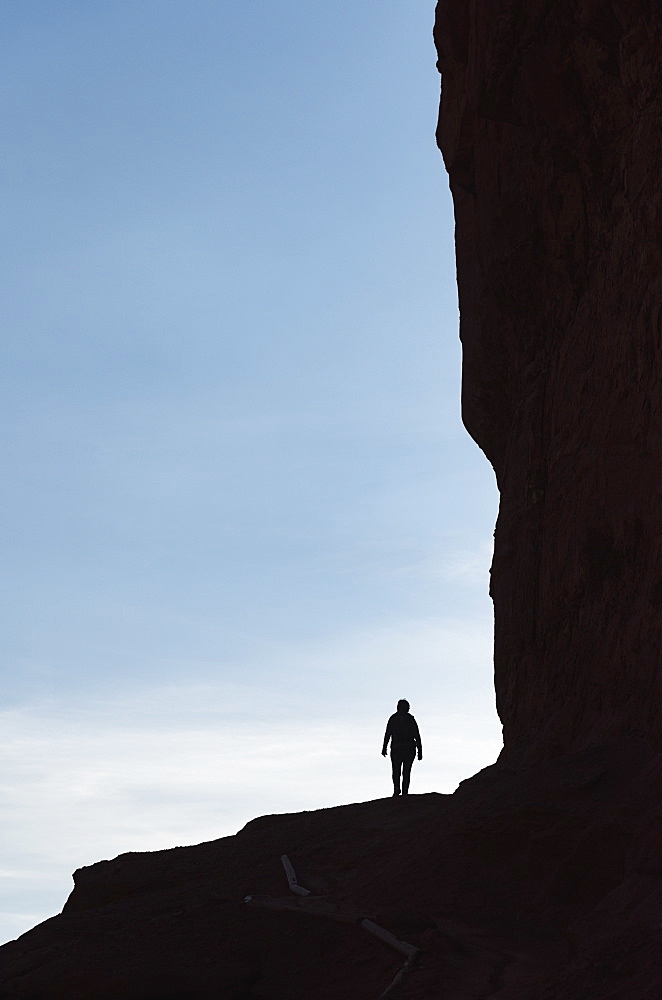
<point x="550" y="131"/>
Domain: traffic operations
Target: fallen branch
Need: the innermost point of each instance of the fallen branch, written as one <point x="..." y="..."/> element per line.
<point x="291" y="877"/>
<point x="409" y="950"/>
<point x="318" y="907"/>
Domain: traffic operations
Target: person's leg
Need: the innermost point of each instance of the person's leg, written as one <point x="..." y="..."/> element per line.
<point x="396" y="766"/>
<point x="408" y="760"/>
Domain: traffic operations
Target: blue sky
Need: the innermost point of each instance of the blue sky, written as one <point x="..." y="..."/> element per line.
<point x="241" y="515"/>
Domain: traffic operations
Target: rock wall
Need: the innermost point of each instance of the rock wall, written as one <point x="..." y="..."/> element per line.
<point x="550" y="131"/>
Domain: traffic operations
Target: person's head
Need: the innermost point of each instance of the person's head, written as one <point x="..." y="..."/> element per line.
<point x="403" y="705"/>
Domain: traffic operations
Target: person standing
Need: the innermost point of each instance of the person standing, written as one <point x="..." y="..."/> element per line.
<point x="402" y="731"/>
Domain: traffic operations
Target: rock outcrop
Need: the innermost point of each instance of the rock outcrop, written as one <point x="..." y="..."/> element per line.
<point x="550" y="130"/>
<point x="541" y="883"/>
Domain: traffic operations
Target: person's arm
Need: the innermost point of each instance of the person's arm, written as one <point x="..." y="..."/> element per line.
<point x="417" y="737"/>
<point x="387" y="736"/>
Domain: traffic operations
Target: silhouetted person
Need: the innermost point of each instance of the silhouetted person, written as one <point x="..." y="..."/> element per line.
<point x="402" y="731"/>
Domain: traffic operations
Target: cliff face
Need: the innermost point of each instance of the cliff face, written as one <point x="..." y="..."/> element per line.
<point x="550" y="131"/>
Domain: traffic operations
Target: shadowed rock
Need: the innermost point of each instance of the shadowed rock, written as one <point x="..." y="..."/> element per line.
<point x="550" y="130"/>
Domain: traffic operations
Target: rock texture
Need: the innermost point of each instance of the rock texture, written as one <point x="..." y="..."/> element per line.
<point x="550" y="131"/>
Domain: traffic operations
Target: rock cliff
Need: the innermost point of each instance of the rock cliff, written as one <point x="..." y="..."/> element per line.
<point x="550" y="131"/>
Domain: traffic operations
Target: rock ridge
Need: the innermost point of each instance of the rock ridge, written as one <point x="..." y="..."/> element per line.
<point x="537" y="882"/>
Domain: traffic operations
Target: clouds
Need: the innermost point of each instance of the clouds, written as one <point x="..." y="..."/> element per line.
<point x="156" y="766"/>
<point x="242" y="515"/>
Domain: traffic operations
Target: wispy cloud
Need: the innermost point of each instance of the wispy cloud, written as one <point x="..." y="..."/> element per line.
<point x="466" y="567"/>
<point x="175" y="764"/>
<point x="470" y="566"/>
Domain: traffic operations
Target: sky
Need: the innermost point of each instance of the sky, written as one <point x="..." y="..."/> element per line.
<point x="241" y="516"/>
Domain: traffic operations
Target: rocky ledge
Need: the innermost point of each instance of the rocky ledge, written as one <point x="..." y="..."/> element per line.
<point x="538" y="883"/>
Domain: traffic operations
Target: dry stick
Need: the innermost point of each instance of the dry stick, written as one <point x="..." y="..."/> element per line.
<point x="399" y="976"/>
<point x="390" y="939"/>
<point x="309" y="911"/>
<point x="412" y="953"/>
<point x="291" y="877"/>
<point x="370" y="926"/>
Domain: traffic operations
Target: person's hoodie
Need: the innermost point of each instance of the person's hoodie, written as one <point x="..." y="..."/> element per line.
<point x="402" y="729"/>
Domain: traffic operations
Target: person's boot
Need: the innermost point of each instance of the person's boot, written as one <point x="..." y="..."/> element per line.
<point x="396" y="792"/>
